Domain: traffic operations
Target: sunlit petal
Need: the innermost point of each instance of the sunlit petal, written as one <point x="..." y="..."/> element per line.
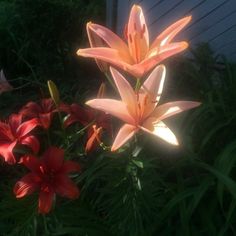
<point x="172" y="108"/>
<point x="111" y="39"/>
<point x="112" y="107"/>
<point x="155" y="82"/>
<point x="27" y="185"/>
<point x="126" y="91"/>
<point x="155" y="56"/>
<point x="137" y="34"/>
<point x="159" y="129"/>
<point x="125" y="133"/>
<point x="168" y="34"/>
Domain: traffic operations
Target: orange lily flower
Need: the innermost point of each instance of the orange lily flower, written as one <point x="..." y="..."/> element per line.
<point x="138" y="57"/>
<point x="139" y="109"/>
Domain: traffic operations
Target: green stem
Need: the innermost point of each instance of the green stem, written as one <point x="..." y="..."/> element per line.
<point x="137" y="85"/>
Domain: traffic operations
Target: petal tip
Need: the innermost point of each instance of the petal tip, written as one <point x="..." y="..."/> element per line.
<point x="78" y="52"/>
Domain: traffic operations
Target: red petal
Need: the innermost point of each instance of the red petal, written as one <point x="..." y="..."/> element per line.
<point x="70" y="166"/>
<point x="14" y="122"/>
<point x="45" y="201"/>
<point x="53" y="158"/>
<point x="64" y="107"/>
<point x="5" y="132"/>
<point x="93" y="140"/>
<point x="31" y="162"/>
<point x="47" y="105"/>
<point x="27" y="185"/>
<point x="65" y="187"/>
<point x="30" y="110"/>
<point x="45" y="119"/>
<point x="32" y="142"/>
<point x="26" y="127"/>
<point x="6" y="150"/>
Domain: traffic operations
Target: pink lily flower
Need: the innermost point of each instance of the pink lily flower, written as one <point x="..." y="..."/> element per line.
<point x="138" y="57"/>
<point x="139" y="110"/>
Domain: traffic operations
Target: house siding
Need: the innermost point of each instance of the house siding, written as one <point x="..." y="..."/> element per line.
<point x="213" y="21"/>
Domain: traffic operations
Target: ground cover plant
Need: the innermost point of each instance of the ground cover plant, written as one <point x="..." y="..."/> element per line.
<point x="145" y="146"/>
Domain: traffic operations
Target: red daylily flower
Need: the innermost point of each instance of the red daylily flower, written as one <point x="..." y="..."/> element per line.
<point x="17" y="132"/>
<point x="88" y="117"/>
<point x="43" y="111"/>
<point x="49" y="175"/>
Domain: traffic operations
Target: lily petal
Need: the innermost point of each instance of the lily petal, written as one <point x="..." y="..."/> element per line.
<point x="70" y="166"/>
<point x="6" y="151"/>
<point x="168" y="34"/>
<point x="53" y="158"/>
<point x="32" y="142"/>
<point x="112" y="107"/>
<point x="160" y="130"/>
<point x="31" y="162"/>
<point x="26" y="127"/>
<point x="110" y="38"/>
<point x="25" y="186"/>
<point x="151" y="90"/>
<point x="126" y="91"/>
<point x="138" y="38"/>
<point x="45" y="201"/>
<point x="155" y="56"/>
<point x="172" y="108"/>
<point x="125" y="133"/>
<point x="153" y="85"/>
<point x="111" y="56"/>
<point x="65" y="187"/>
<point x="14" y="122"/>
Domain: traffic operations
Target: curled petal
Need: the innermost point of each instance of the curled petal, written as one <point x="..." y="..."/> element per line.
<point x="167" y="35"/>
<point x="25" y="186"/>
<point x="125" y="133"/>
<point x="94" y="138"/>
<point x="160" y="130"/>
<point x="112" y="107"/>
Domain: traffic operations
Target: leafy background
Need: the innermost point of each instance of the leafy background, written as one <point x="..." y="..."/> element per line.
<point x="162" y="190"/>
